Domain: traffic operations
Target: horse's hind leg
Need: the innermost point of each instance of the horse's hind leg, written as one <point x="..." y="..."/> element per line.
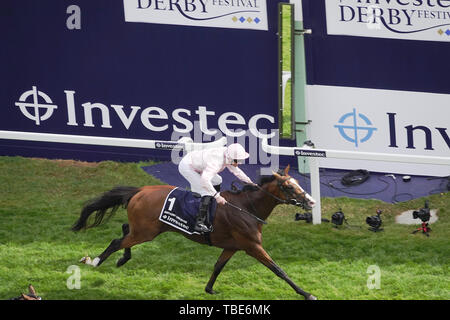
<point x="131" y="238"/>
<point x="114" y="246"/>
<point x="127" y="251"/>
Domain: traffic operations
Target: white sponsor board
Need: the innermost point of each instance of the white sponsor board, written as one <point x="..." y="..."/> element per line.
<point x="427" y="20"/>
<point x="298" y="9"/>
<point x="235" y="14"/>
<point x="381" y="121"/>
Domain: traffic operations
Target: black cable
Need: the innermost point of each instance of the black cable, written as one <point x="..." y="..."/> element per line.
<point x="330" y="184"/>
<point x="396" y="195"/>
<point x="394" y="198"/>
<point x="355" y="177"/>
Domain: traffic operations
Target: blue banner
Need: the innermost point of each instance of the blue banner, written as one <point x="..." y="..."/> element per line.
<point x="82" y="69"/>
<point x="377" y="63"/>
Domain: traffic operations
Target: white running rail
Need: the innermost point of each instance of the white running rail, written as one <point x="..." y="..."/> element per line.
<point x="184" y="143"/>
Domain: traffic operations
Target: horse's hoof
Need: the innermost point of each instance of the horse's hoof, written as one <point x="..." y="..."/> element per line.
<point x="121" y="262"/>
<point x="311" y="297"/>
<point x="92" y="262"/>
<point x="96" y="262"/>
<point x="86" y="260"/>
<point x="210" y="291"/>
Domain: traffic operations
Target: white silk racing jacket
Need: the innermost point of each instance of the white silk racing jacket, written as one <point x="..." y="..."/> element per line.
<point x="210" y="162"/>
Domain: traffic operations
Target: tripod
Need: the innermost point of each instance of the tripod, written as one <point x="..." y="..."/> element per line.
<point x="376" y="229"/>
<point x="425" y="229"/>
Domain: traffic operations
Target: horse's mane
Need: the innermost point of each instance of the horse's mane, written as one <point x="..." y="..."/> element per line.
<point x="265" y="179"/>
<point x="251" y="188"/>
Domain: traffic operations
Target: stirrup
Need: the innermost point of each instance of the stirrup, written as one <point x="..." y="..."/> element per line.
<point x="201" y="227"/>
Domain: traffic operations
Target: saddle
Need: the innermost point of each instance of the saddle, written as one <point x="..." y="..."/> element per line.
<point x="181" y="208"/>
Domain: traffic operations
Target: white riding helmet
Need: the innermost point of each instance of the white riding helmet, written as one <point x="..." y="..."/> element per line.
<point x="237" y="152"/>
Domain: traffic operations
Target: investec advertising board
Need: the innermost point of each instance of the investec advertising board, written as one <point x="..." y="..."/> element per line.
<point x="395" y="19"/>
<point x="382" y="121"/>
<point x="138" y="69"/>
<point x="378" y="80"/>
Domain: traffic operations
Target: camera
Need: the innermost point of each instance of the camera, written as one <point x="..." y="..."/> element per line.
<point x="337" y="218"/>
<point x="423" y="214"/>
<point x="304" y="216"/>
<point x="375" y="222"/>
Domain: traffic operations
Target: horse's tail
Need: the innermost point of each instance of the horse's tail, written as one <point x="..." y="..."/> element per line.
<point x="113" y="199"/>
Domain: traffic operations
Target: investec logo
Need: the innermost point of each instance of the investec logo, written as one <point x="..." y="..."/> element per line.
<point x="39" y="107"/>
<point x="34" y="109"/>
<point x="357" y="128"/>
<point x="397" y="19"/>
<point x="240" y="14"/>
<point x="351" y="129"/>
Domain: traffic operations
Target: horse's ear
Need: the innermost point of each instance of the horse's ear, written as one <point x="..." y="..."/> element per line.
<point x="31" y="290"/>
<point x="276" y="175"/>
<point x="286" y="170"/>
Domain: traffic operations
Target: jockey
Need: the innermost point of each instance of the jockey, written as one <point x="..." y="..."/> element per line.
<point x="201" y="169"/>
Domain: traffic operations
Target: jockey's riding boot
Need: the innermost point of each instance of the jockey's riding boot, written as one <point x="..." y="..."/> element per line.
<point x="201" y="225"/>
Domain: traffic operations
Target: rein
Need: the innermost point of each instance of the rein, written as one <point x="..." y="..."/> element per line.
<point x="233" y="187"/>
<point x="282" y="201"/>
<point x="246" y="212"/>
<point x="275" y="197"/>
<point x="266" y="192"/>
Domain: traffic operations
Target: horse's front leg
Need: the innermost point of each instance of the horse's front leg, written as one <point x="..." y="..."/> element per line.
<point x="261" y="255"/>
<point x="221" y="262"/>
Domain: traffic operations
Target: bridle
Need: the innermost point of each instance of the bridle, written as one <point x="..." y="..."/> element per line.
<point x="290" y="194"/>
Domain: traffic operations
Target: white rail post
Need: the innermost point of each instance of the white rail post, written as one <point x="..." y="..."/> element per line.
<point x="315" y="190"/>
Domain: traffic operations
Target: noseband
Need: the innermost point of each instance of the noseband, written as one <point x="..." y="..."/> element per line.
<point x="290" y="195"/>
<point x="289" y="192"/>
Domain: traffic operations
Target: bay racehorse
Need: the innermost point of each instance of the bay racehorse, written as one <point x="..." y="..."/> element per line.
<point x="237" y="224"/>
